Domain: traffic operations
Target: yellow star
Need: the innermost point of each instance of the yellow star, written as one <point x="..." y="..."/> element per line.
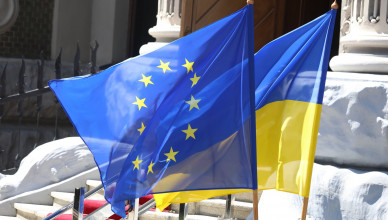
<point x="164" y="66"/>
<point x="193" y="103"/>
<point x="137" y="163"/>
<point x="189" y="132"/>
<point x="195" y="79"/>
<point x="150" y="167"/>
<point x="188" y="65"/>
<point x="142" y="128"/>
<point x="146" y="80"/>
<point x="140" y="103"/>
<point x="171" y="155"/>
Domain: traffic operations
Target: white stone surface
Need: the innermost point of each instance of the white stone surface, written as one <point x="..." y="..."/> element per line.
<point x="151" y="46"/>
<point x="364" y="35"/>
<point x="167" y="28"/>
<point x="360" y="63"/>
<point x="42" y="194"/>
<point x="335" y="194"/>
<point x="354" y="122"/>
<point x="47" y="164"/>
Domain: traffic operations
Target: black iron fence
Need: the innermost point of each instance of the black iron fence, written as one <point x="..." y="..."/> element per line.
<point x="14" y="146"/>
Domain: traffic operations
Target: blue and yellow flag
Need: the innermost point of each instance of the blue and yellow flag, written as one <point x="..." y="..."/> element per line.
<point x="176" y="119"/>
<point x="290" y="77"/>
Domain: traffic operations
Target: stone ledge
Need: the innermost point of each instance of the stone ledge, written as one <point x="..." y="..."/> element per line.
<point x="354" y="122"/>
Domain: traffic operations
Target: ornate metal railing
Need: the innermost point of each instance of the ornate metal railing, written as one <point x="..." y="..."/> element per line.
<point x="105" y="212"/>
<point x="8" y="162"/>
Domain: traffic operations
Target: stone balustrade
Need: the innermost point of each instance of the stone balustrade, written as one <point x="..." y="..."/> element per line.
<point x="167" y="27"/>
<point x="363" y="37"/>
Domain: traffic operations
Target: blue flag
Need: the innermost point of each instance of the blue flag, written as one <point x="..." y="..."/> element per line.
<point x="176" y="119"/>
<point x="290" y="75"/>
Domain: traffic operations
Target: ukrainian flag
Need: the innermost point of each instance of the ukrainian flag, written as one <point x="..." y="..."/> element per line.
<point x="291" y="74"/>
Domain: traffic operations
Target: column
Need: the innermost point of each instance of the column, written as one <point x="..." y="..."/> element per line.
<point x="167" y="27"/>
<point x="363" y="37"/>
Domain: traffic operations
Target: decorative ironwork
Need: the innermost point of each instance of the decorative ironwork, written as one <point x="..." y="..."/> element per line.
<point x="78" y="208"/>
<point x="40" y="82"/>
<point x="76" y="61"/>
<point x="40" y="90"/>
<point x="21" y="88"/>
<point x="58" y="75"/>
<point x="183" y="211"/>
<point x="58" y="65"/>
<point x="2" y="90"/>
<point x="93" y="57"/>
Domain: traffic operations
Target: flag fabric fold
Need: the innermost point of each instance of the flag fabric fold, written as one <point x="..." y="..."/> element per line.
<point x="290" y="77"/>
<point x="176" y="119"/>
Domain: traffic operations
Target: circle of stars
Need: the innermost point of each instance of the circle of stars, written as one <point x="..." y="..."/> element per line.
<point x="192" y="103"/>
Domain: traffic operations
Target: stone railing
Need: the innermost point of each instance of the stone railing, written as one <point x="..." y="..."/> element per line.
<point x="363" y="38"/>
<point x="168" y="25"/>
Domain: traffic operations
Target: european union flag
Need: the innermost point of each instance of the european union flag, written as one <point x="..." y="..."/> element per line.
<point x="176" y="119"/>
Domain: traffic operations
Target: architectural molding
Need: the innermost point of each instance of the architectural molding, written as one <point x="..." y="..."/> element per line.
<point x="9" y="10"/>
<point x="363" y="37"/>
<point x="167" y="27"/>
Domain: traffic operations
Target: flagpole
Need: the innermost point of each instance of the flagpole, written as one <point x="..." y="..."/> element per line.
<point x="304" y="209"/>
<point x="255" y="205"/>
<point x="334" y="5"/>
<point x="306" y="199"/>
<point x="255" y="191"/>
